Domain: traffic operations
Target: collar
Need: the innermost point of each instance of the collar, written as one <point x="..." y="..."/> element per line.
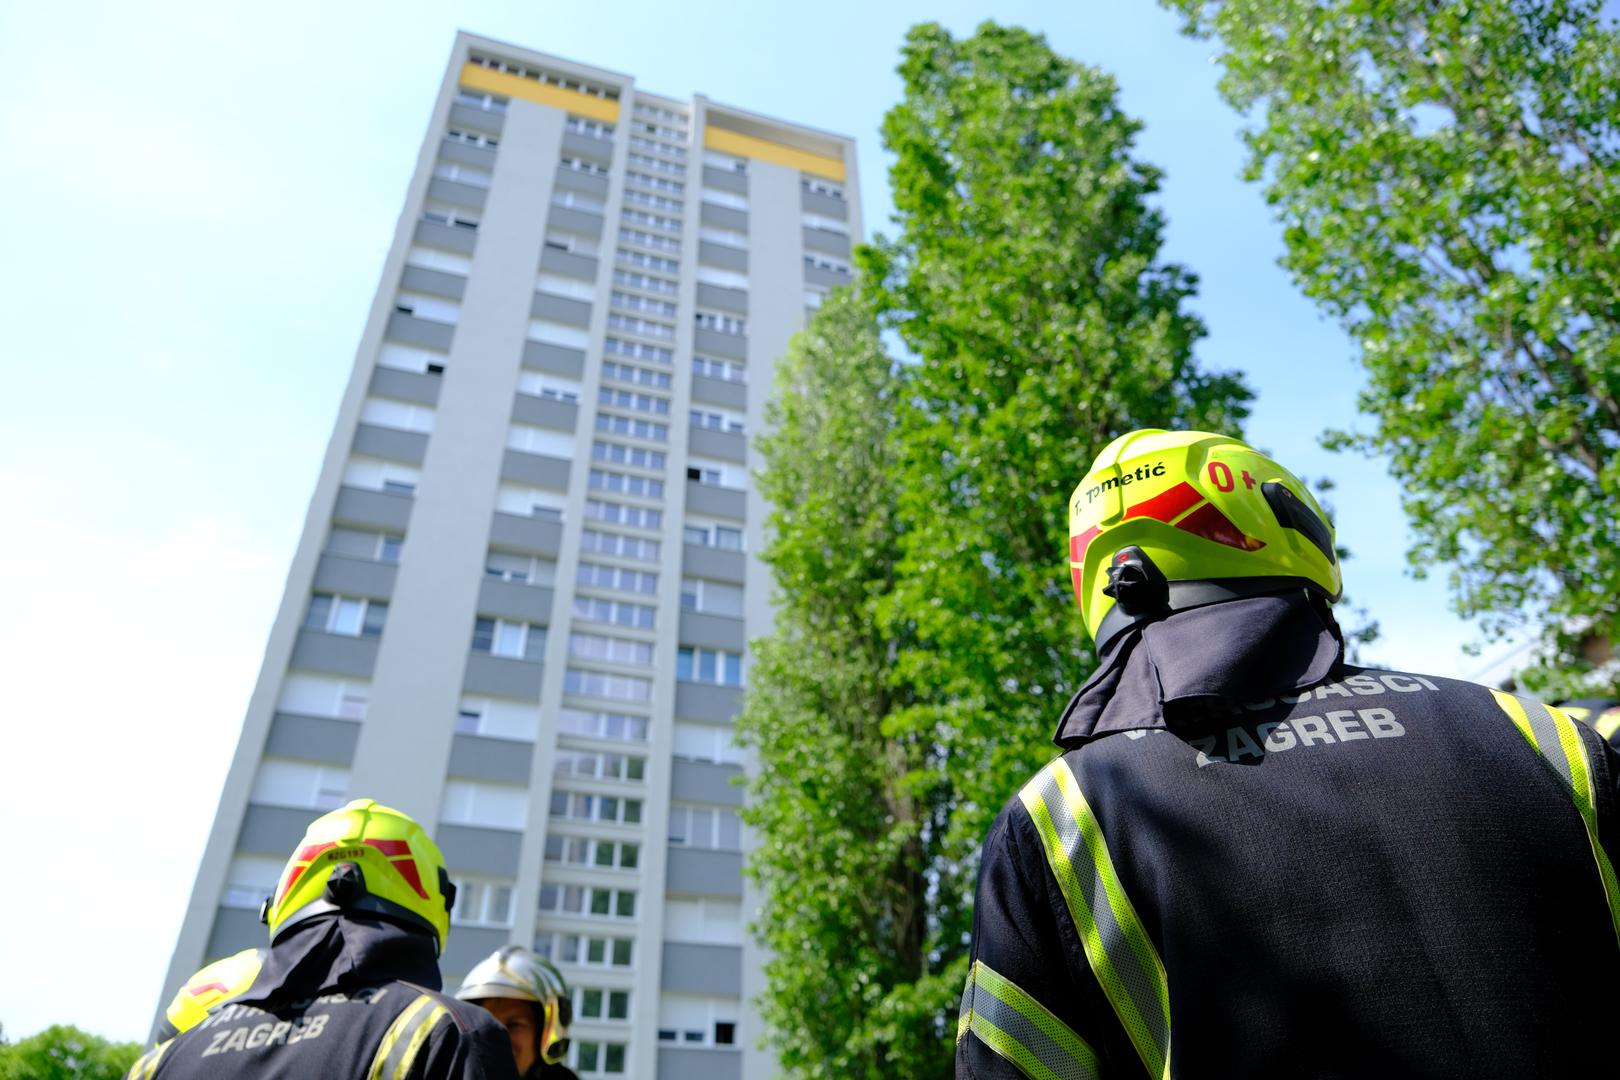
<point x="1175" y="669"/>
<point x="335" y="951"/>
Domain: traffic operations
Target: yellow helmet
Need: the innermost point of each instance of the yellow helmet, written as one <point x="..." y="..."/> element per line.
<point x="522" y="974"/>
<point x="365" y="857"/>
<point x="213" y="985"/>
<point x="1170" y="520"/>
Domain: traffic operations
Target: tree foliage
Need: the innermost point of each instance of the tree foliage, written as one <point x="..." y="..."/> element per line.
<point x="1445" y="173"/>
<point x="927" y="638"/>
<point x="63" y="1052"/>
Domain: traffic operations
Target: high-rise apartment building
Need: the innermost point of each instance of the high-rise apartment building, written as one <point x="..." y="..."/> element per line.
<point x="520" y="606"/>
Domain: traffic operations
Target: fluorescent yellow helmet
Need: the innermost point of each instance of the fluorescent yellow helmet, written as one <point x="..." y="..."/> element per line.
<point x="213" y="985"/>
<point x="1170" y="520"/>
<point x="523" y="975"/>
<point x="365" y="857"/>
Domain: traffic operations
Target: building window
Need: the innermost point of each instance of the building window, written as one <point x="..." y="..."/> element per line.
<point x="481" y="902"/>
<point x="600" y="765"/>
<point x="642" y="303"/>
<point x="602" y="854"/>
<point x="727" y="370"/>
<point x="461" y="173"/>
<point x="645" y="161"/>
<point x="635" y="517"/>
<point x="400" y="415"/>
<point x="657" y="202"/>
<point x="645" y="261"/>
<point x="706" y="742"/>
<point x="725" y="162"/>
<point x="599" y="1058"/>
<point x="821" y="187"/>
<point x="619" y="454"/>
<point x="601" y="684"/>
<point x="602" y="725"/>
<point x="644" y="281"/>
<point x="347" y="615"/>
<point x="728" y="199"/>
<point x="724" y="237"/>
<point x="476" y="802"/>
<point x="709" y="666"/>
<point x="586" y="901"/>
<point x="719" y="536"/>
<point x="472" y="138"/>
<point x="645" y="487"/>
<point x="449" y="215"/>
<point x="656" y="241"/>
<point x="626" y="547"/>
<point x="301" y="785"/>
<point x="600" y="576"/>
<point x="632" y="325"/>
<point x="594" y="128"/>
<point x="603" y="809"/>
<point x="513" y="640"/>
<point x="528" y="502"/>
<point x="487" y="102"/>
<point x="598" y="1004"/>
<point x="821" y="262"/>
<point x="615" y="650"/>
<point x="721" y="323"/>
<point x="520" y="569"/>
<point x="639" y="375"/>
<point x="613" y="424"/>
<point x="707" y="827"/>
<point x="652" y="221"/>
<point x="631" y="399"/>
<point x="590" y="168"/>
<point x="657" y="183"/>
<point x="377" y="475"/>
<point x="322" y="695"/>
<point x="716" y="421"/>
<point x="576" y="200"/>
<point x="638" y="350"/>
<point x="617" y="612"/>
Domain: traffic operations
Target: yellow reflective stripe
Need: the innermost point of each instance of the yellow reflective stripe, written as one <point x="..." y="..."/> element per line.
<point x="392" y="1035"/>
<point x="147" y="1063"/>
<point x="1608" y="723"/>
<point x="1118" y="948"/>
<point x="1572" y="766"/>
<point x="1018" y="1017"/>
<point x="418" y="1037"/>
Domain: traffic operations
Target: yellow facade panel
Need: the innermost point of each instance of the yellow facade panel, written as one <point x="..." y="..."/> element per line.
<point x="748" y="146"/>
<point x="482" y="79"/>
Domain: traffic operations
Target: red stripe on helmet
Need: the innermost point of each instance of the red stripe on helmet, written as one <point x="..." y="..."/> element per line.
<point x="1211" y="524"/>
<point x="306" y="855"/>
<point x="208" y="988"/>
<point x="399" y="856"/>
<point x="1168" y="505"/>
<point x="1081" y="541"/>
<point x="391" y="848"/>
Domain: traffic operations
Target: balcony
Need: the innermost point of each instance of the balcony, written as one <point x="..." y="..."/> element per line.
<point x="536" y="469"/>
<point x="719" y="564"/>
<point x="545" y="412"/>
<point x="414" y="386"/>
<point x="355" y="577"/>
<point x="504" y="761"/>
<point x="713" y="631"/>
<point x="334" y="654"/>
<point x="710" y="442"/>
<point x="410" y="330"/>
<point x="568" y="264"/>
<point x="706" y="702"/>
<point x="723" y="257"/>
<point x="515" y="601"/>
<point x="560" y="309"/>
<point x="379" y="509"/>
<point x="703" y="969"/>
<point x="474" y="849"/>
<point x="391" y="444"/>
<point x="433" y="282"/>
<point x="502" y="676"/>
<point x="530" y="535"/>
<point x="705" y="782"/>
<point x="716" y="501"/>
<point x="312" y="738"/>
<point x="446" y="237"/>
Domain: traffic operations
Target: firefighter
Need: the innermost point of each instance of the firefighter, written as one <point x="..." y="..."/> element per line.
<point x="1601" y="712"/>
<point x="211" y="986"/>
<point x="1254" y="859"/>
<point x="350" y="986"/>
<point x="529" y="997"/>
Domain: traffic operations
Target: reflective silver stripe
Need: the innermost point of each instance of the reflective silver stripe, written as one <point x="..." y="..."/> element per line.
<point x="396" y="1041"/>
<point x="1134" y="984"/>
<point x="1022" y="1030"/>
<point x="1545" y="730"/>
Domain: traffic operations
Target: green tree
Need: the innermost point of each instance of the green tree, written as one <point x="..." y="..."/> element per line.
<point x="928" y="639"/>
<point x="62" y="1052"/>
<point x="844" y="844"/>
<point x="1445" y="174"/>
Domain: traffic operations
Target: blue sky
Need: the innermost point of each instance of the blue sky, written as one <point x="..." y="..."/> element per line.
<point x="200" y="198"/>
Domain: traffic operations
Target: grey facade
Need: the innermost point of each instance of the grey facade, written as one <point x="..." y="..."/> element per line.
<point x="521" y="604"/>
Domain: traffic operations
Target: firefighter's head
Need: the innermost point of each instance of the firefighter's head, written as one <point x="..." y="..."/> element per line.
<point x="529" y="997"/>
<point x="365" y="857"/>
<point x="1170" y="520"/>
<point x="218" y="982"/>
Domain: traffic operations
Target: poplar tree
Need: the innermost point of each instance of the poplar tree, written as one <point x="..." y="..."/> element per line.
<point x="1445" y="175"/>
<point x="927" y="637"/>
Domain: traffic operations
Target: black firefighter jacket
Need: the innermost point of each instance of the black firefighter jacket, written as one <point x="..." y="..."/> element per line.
<point x="1254" y="860"/>
<point x="341" y="998"/>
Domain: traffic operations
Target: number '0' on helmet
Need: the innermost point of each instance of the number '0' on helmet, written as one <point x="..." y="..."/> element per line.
<point x="523" y="975"/>
<point x="365" y="857"/>
<point x="1170" y="520"/>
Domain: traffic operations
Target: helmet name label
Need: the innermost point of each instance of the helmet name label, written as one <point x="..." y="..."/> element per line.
<point x="1148" y="471"/>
